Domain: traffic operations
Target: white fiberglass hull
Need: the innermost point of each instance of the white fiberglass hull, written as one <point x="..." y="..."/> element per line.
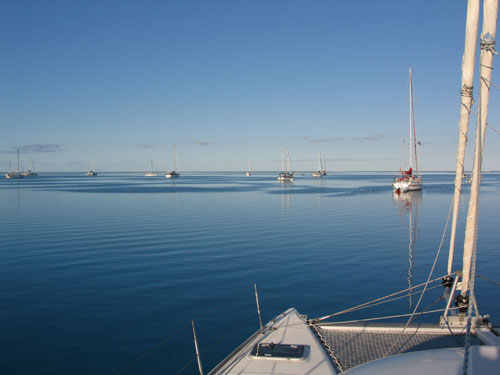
<point x="12" y="175"/>
<point x="172" y="175"/>
<point x="407" y="183"/>
<point x="285" y="177"/>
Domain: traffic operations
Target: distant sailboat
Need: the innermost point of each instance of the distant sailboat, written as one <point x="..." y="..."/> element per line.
<point x="31" y="171"/>
<point x="409" y="180"/>
<point x="175" y="172"/>
<point x="321" y="168"/>
<point x="152" y="173"/>
<point x="12" y="175"/>
<point x="285" y="175"/>
<point x="91" y="172"/>
<point x="248" y="172"/>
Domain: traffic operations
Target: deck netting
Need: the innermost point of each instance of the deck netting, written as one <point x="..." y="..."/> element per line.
<point x="353" y="348"/>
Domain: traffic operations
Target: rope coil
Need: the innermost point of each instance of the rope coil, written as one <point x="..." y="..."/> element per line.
<point x="467" y="91"/>
<point x="488" y="45"/>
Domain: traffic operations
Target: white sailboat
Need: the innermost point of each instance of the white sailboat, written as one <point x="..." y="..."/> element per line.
<point x="91" y="172"/>
<point x="409" y="180"/>
<point x="462" y="342"/>
<point x="31" y="171"/>
<point x="286" y="175"/>
<point x="152" y="173"/>
<point x="175" y="172"/>
<point x="16" y="174"/>
<point x="248" y="171"/>
<point x="321" y="168"/>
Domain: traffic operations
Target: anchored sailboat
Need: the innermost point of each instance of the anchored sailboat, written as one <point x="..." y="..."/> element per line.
<point x="16" y="174"/>
<point x="286" y="175"/>
<point x="463" y="342"/>
<point x="152" y="173"/>
<point x="321" y="168"/>
<point x="175" y="172"/>
<point x="410" y="179"/>
<point x="31" y="171"/>
<point x="91" y="172"/>
<point x="248" y="172"/>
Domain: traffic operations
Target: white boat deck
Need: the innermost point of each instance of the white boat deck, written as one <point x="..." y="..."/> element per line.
<point x="288" y="329"/>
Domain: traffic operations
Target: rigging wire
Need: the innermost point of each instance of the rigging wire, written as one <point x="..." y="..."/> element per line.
<point x="388" y="317"/>
<point x="145" y="354"/>
<point x="369" y="303"/>
<point x="491" y="281"/>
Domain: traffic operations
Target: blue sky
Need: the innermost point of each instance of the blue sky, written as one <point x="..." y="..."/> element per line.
<point x="117" y="82"/>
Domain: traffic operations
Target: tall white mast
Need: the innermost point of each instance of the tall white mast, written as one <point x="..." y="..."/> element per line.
<point x="488" y="38"/>
<point x="176" y="167"/>
<point x="287" y="160"/>
<point x="468" y="63"/>
<point x="411" y="119"/>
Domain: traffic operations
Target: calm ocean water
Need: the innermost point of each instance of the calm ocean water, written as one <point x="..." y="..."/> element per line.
<point x="102" y="275"/>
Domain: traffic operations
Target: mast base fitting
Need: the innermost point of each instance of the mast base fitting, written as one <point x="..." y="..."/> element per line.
<point x="447" y="282"/>
<point x="462" y="302"/>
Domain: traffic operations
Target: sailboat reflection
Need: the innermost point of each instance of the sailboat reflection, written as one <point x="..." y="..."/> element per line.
<point x="409" y="203"/>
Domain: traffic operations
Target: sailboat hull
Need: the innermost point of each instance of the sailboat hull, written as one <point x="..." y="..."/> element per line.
<point x="13" y="175"/>
<point x="407" y="183"/>
<point x="172" y="175"/>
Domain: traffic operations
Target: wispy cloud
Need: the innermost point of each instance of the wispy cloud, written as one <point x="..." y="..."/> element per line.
<point x="202" y="143"/>
<point x="370" y="138"/>
<point x="323" y="140"/>
<point x="26" y="149"/>
<point x="150" y="145"/>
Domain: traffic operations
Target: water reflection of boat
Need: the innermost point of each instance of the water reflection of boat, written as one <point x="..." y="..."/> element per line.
<point x="409" y="204"/>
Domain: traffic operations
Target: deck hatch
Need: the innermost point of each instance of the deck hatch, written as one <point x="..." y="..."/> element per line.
<point x="278" y="351"/>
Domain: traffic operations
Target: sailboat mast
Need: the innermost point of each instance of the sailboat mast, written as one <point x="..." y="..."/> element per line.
<point x="175" y="160"/>
<point x="17" y="160"/>
<point x="488" y="37"/>
<point x="468" y="63"/>
<point x="411" y="119"/>
<point x="287" y="160"/>
<point x="413" y="135"/>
